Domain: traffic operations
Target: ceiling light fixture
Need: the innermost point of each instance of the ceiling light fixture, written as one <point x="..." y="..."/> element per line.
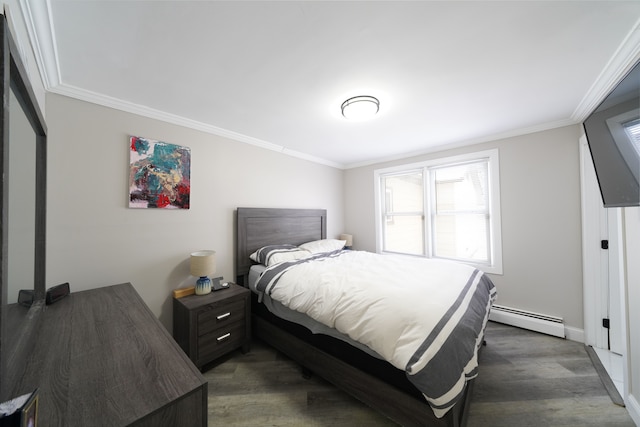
<point x="360" y="107"/>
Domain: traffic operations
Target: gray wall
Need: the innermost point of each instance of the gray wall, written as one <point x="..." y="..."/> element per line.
<point x="541" y="234"/>
<point x="95" y="240"/>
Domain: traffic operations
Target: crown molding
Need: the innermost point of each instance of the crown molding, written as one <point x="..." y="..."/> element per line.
<point x="622" y="61"/>
<point x="466" y="143"/>
<point x="141" y="110"/>
<point x="39" y="24"/>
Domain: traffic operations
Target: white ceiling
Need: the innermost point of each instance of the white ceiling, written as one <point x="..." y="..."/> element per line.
<point x="274" y="73"/>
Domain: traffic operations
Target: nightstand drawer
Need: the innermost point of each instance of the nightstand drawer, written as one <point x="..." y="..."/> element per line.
<point x="214" y="317"/>
<point x="221" y="340"/>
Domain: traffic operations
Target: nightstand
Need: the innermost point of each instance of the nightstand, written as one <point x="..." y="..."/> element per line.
<point x="209" y="326"/>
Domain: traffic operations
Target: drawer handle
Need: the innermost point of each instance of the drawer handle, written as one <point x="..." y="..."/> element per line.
<point x="222" y="316"/>
<point x="224" y="337"/>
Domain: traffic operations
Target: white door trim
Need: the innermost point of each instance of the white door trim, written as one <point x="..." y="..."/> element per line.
<point x="595" y="305"/>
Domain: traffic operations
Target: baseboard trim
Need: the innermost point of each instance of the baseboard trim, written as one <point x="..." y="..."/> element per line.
<point x="574" y="334"/>
<point x="634" y="408"/>
<point x="528" y="320"/>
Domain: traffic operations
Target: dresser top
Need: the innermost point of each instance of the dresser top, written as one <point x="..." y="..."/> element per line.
<point x="101" y="354"/>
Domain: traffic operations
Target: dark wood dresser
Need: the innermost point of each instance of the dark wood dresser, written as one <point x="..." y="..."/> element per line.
<point x="101" y="358"/>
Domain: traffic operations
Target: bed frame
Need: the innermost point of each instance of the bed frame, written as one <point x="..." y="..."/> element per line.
<point x="331" y="359"/>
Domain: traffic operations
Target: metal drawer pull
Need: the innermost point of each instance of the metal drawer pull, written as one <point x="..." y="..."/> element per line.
<point x="225" y="336"/>
<point x="222" y="316"/>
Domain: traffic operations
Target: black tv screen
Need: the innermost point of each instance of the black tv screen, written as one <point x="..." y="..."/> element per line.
<point x="613" y="134"/>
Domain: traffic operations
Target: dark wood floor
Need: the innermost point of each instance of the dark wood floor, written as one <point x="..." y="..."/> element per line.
<point x="525" y="379"/>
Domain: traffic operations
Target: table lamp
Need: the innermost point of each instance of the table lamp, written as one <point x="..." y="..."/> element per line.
<point x="348" y="238"/>
<point x="203" y="265"/>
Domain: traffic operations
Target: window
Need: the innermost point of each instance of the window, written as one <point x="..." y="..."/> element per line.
<point x="632" y="129"/>
<point x="446" y="208"/>
<point x="625" y="130"/>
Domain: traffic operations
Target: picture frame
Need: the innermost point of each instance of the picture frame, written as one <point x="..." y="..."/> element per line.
<point x="30" y="412"/>
<point x="159" y="174"/>
<point x="21" y="411"/>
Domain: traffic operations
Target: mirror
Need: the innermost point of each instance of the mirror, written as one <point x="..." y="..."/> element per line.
<point x="22" y="201"/>
<point x="613" y="134"/>
<point x="23" y="159"/>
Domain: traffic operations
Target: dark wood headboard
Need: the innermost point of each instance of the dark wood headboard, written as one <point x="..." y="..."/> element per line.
<point x="258" y="227"/>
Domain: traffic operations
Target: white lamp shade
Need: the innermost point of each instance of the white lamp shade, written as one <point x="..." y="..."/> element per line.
<point x="203" y="263"/>
<point x="348" y="238"/>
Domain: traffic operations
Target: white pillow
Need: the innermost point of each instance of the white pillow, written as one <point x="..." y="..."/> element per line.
<point x="274" y="254"/>
<point x="324" y="245"/>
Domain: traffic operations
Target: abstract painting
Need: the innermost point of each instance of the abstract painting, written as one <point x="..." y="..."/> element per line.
<point x="159" y="174"/>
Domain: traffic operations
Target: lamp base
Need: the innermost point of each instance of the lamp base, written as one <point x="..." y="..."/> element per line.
<point x="203" y="286"/>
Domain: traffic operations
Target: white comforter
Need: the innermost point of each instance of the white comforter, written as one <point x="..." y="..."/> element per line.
<point x="405" y="309"/>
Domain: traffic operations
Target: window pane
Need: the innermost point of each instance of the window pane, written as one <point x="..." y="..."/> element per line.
<point x="404" y="213"/>
<point x="403" y="193"/>
<point x="462" y="236"/>
<point x="460" y="216"/>
<point x="404" y="234"/>
<point x="462" y="188"/>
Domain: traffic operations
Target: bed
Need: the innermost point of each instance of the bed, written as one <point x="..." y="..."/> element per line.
<point x="351" y="366"/>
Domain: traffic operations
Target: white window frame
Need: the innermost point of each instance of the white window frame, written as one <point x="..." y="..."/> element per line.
<point x="495" y="233"/>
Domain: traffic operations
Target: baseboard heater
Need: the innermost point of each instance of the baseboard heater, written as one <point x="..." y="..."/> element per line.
<point x="549" y="325"/>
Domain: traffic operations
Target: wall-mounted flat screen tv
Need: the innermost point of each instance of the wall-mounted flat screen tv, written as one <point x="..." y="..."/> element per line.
<point x="613" y="134"/>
